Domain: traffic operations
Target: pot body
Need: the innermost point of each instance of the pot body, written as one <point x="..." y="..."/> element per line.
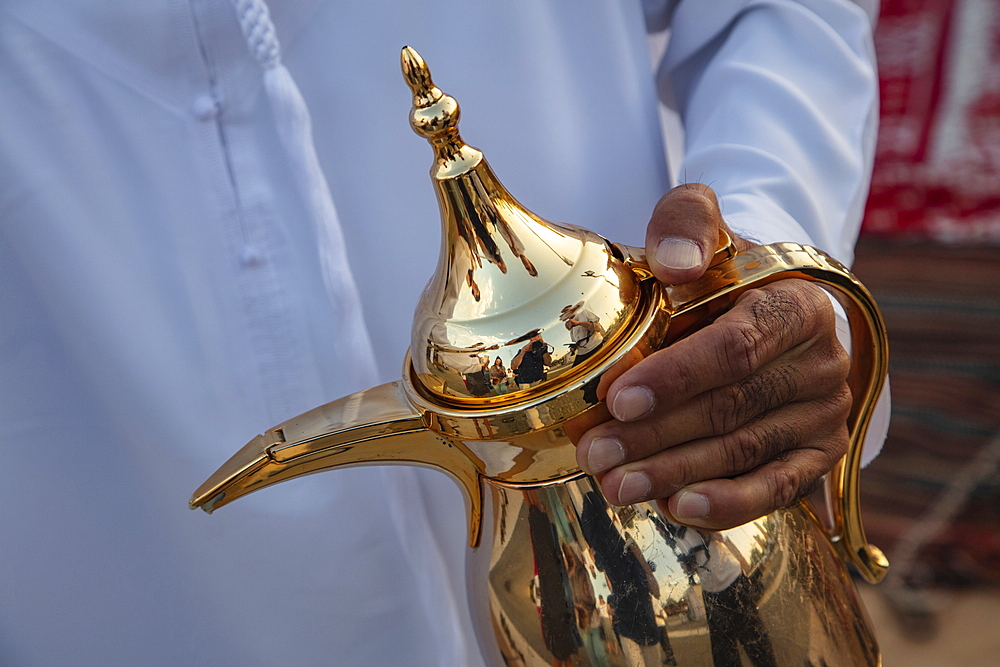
<point x="563" y="578"/>
<point x="558" y="576"/>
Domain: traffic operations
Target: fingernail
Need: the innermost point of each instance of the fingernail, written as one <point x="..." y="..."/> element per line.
<point x="605" y="453"/>
<point x="691" y="505"/>
<point x="676" y="253"/>
<point x="632" y="403"/>
<point x="634" y="487"/>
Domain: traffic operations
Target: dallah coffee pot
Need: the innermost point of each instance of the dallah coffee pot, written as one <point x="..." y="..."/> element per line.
<point x="497" y="388"/>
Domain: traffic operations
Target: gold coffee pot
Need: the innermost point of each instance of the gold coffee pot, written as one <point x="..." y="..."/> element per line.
<point x="500" y="383"/>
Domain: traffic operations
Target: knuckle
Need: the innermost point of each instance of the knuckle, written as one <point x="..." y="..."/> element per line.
<point x="771" y="389"/>
<point x="837" y="447"/>
<point x="733" y="406"/>
<point x="749" y="451"/>
<point x="647" y="439"/>
<point x="723" y="409"/>
<point x="761" y="443"/>
<point x="745" y="395"/>
<point x="680" y="207"/>
<point x="831" y="356"/>
<point x="823" y="372"/>
<point x="777" y="439"/>
<point x="779" y="311"/>
<point x="741" y="349"/>
<point x="810" y="296"/>
<point x="666" y="483"/>
<point x="694" y="194"/>
<point x="783" y="384"/>
<point x="820" y="301"/>
<point x="685" y="378"/>
<point x="835" y="407"/>
<point x="684" y="472"/>
<point x="841" y="402"/>
<point x="787" y="485"/>
<point x="839" y="360"/>
<point x="741" y="451"/>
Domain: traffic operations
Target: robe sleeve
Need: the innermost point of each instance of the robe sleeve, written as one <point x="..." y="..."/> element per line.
<point x="779" y="105"/>
<point x="778" y="100"/>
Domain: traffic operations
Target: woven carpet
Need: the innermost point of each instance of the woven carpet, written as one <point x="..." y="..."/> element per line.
<point x="932" y="499"/>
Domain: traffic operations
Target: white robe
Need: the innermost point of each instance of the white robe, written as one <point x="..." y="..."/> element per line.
<point x="162" y="300"/>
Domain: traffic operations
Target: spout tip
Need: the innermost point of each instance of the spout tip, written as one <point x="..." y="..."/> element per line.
<point x="245" y="471"/>
<point x="207" y="505"/>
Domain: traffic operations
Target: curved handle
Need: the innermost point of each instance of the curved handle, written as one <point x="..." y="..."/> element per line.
<point x="376" y="426"/>
<point x="695" y="303"/>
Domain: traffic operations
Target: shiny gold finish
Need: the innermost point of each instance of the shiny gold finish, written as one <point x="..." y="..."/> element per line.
<point x="507" y="280"/>
<point x="719" y="288"/>
<point x="372" y="427"/>
<point x="570" y="578"/>
<point x="515" y="341"/>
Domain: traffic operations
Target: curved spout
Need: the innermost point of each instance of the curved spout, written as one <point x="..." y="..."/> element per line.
<point x="376" y="426"/>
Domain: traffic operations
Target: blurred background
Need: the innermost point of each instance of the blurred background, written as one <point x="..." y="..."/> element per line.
<point x="930" y="252"/>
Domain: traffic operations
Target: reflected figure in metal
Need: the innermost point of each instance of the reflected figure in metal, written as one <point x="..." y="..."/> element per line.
<point x="559" y="631"/>
<point x="630" y="580"/>
<point x="730" y="596"/>
<point x="572" y="580"/>
<point x="531" y="363"/>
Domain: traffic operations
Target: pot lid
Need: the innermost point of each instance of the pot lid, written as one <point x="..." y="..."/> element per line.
<point x="518" y="305"/>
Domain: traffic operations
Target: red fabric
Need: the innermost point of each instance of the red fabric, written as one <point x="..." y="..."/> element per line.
<point x="937" y="165"/>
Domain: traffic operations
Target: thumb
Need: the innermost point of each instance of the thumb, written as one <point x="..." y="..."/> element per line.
<point x="683" y="233"/>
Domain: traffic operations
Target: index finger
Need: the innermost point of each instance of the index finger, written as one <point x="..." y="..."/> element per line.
<point x="762" y="325"/>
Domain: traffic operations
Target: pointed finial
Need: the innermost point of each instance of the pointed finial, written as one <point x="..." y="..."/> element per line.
<point x="418" y="78"/>
<point x="434" y="115"/>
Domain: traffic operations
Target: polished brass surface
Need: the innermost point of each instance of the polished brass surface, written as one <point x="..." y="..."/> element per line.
<point x="517" y="302"/>
<point x="571" y="580"/>
<point x="515" y="341"/>
<point x="374" y="426"/>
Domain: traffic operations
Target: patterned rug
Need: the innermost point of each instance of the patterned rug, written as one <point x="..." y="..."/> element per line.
<point x="932" y="499"/>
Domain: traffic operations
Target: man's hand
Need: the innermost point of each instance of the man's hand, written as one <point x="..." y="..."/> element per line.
<point x="741" y="417"/>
